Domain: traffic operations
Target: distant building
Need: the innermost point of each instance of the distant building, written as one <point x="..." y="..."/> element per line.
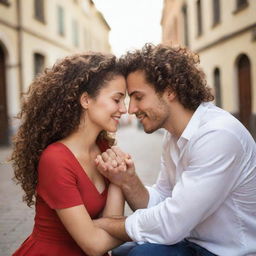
<point x="33" y="34"/>
<point x="223" y="33"/>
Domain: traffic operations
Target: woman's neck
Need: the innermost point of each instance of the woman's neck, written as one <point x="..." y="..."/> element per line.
<point x="82" y="141"/>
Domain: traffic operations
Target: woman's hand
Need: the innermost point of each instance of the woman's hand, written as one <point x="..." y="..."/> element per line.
<point x="116" y="165"/>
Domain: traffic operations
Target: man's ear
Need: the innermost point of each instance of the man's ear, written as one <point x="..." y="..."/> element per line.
<point x="84" y="100"/>
<point x="171" y="95"/>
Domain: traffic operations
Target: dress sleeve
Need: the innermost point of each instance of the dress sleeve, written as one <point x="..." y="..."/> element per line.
<point x="57" y="180"/>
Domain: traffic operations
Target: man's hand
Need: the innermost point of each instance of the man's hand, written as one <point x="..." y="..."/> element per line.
<point x="116" y="165"/>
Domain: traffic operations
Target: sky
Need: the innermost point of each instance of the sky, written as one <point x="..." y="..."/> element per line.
<point x="133" y="22"/>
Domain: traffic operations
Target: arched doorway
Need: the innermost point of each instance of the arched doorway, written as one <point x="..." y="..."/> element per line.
<point x="3" y="100"/>
<point x="244" y="89"/>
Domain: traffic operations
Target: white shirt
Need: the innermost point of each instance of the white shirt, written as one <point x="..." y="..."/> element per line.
<point x="206" y="188"/>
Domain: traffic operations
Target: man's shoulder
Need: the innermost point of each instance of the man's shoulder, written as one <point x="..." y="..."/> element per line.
<point x="217" y="119"/>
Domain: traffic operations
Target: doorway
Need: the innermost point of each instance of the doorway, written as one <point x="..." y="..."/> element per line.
<point x="245" y="91"/>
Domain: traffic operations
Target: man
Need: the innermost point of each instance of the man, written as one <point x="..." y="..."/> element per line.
<point x="204" y="200"/>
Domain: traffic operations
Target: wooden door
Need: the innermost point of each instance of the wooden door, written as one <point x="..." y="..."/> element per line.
<point x="3" y="101"/>
<point x="245" y="95"/>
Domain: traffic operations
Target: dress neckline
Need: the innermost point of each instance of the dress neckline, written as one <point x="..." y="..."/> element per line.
<point x="82" y="169"/>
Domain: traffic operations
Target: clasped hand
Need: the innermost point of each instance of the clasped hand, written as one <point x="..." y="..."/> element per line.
<point x="115" y="165"/>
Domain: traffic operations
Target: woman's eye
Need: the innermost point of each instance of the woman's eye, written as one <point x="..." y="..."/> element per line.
<point x="138" y="98"/>
<point x="117" y="100"/>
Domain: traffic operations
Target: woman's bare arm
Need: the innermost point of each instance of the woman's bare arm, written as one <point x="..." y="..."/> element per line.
<point x="92" y="240"/>
<point x="115" y="202"/>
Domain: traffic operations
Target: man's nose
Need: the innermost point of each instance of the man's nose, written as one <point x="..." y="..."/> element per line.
<point x="132" y="108"/>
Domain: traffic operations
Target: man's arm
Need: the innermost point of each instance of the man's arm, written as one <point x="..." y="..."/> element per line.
<point x="135" y="193"/>
<point x="114" y="226"/>
<point x="211" y="174"/>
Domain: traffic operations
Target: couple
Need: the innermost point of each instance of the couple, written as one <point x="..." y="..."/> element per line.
<point x="204" y="200"/>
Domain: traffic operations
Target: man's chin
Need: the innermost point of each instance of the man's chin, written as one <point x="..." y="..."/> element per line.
<point x="149" y="130"/>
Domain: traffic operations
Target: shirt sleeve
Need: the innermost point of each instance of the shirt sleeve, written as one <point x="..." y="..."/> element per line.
<point x="162" y="189"/>
<point x="214" y="166"/>
<point x="57" y="181"/>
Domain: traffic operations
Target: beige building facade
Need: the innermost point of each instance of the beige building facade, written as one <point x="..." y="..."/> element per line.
<point x="223" y="33"/>
<point x="33" y="35"/>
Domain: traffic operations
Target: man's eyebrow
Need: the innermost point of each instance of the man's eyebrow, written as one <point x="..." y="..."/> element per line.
<point x="134" y="92"/>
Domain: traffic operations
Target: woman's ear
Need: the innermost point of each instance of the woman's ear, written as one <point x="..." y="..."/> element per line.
<point x="84" y="100"/>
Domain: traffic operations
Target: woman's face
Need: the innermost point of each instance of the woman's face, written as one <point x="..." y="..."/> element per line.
<point x="106" y="109"/>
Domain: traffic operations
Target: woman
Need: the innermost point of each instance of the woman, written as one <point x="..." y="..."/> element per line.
<point x="65" y="118"/>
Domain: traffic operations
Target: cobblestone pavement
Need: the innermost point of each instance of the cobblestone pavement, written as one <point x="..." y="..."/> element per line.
<point x="16" y="219"/>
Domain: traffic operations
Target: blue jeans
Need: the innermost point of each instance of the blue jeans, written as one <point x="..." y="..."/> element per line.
<point x="183" y="248"/>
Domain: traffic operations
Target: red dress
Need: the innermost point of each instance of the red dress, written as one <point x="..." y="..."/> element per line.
<point x="62" y="183"/>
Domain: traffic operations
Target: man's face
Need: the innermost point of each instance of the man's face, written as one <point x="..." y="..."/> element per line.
<point x="151" y="109"/>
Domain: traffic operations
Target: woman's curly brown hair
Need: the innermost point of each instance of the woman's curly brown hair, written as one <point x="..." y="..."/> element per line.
<point x="51" y="110"/>
<point x="168" y="67"/>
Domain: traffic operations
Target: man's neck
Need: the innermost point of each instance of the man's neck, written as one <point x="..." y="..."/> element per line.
<point x="179" y="119"/>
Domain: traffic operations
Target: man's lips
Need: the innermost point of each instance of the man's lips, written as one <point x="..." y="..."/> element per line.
<point x="141" y="116"/>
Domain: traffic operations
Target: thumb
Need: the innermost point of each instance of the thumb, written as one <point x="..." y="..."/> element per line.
<point x="129" y="162"/>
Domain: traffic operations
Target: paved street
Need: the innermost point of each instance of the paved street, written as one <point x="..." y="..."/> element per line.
<point x="16" y="219"/>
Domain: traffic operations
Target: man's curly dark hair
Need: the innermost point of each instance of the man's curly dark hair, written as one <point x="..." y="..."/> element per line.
<point x="175" y="68"/>
<point x="51" y="110"/>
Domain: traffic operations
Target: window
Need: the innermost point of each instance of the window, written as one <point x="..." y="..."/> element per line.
<point x="39" y="64"/>
<point x="216" y="11"/>
<point x="175" y="30"/>
<point x="87" y="39"/>
<point x="39" y="10"/>
<point x="60" y="17"/>
<point x="217" y="87"/>
<point x="185" y="24"/>
<point x="199" y="17"/>
<point x="241" y="3"/>
<point x="5" y="2"/>
<point x="75" y="33"/>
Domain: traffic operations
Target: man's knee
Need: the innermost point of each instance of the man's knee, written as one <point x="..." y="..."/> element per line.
<point x="123" y="249"/>
<point x="161" y="250"/>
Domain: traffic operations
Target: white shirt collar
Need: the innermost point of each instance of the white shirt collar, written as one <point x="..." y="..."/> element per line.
<point x="193" y="124"/>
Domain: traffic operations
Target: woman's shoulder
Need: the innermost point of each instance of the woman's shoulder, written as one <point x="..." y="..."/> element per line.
<point x="56" y="151"/>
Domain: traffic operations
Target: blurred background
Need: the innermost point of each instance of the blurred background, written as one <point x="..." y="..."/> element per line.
<point x="35" y="33"/>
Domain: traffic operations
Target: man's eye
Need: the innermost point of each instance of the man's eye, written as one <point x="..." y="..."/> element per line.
<point x="117" y="100"/>
<point x="138" y="98"/>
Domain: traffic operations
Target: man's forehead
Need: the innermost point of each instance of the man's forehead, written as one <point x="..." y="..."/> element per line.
<point x="136" y="82"/>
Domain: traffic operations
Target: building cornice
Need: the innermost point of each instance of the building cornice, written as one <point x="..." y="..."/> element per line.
<point x="8" y="24"/>
<point x="35" y="34"/>
<point x="225" y="38"/>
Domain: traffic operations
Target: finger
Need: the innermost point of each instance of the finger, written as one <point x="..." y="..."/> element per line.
<point x="111" y="153"/>
<point x="122" y="167"/>
<point x="111" y="169"/>
<point x="128" y="156"/>
<point x="129" y="162"/>
<point x="119" y="153"/>
<point x="113" y="159"/>
<point x="101" y="166"/>
<point x="105" y="157"/>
